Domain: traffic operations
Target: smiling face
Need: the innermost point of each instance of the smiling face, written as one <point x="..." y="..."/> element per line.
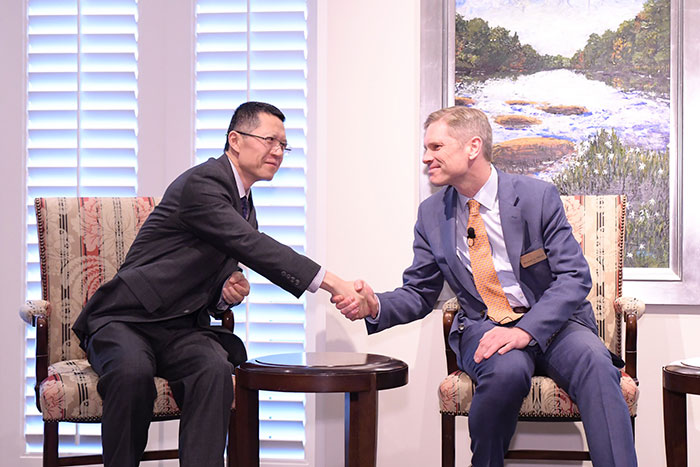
<point x="447" y="157"/>
<point x="254" y="158"/>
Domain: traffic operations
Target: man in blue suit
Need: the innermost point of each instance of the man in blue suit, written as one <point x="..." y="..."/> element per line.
<point x="543" y="275"/>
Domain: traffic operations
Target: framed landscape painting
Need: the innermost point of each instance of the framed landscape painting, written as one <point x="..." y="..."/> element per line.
<point x="578" y="92"/>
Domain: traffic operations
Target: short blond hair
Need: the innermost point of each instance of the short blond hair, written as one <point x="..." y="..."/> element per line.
<point x="465" y="123"/>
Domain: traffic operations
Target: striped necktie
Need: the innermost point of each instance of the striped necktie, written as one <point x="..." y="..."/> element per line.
<point x="484" y="272"/>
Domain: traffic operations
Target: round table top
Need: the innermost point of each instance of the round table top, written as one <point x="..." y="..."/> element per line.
<point x="681" y="378"/>
<point x="681" y="369"/>
<point x="322" y="372"/>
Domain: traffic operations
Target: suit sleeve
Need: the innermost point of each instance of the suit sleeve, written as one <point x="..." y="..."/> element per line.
<point x="571" y="278"/>
<point x="422" y="284"/>
<point x="207" y="210"/>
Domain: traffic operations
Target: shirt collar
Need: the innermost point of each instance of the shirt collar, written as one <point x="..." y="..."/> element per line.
<point x="239" y="182"/>
<point x="487" y="194"/>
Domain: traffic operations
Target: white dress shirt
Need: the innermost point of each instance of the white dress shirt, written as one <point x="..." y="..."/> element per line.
<point x="487" y="196"/>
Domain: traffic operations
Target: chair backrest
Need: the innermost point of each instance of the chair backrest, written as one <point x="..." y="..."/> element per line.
<point x="82" y="243"/>
<point x="598" y="224"/>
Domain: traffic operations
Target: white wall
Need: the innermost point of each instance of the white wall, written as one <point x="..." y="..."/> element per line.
<point x="11" y="228"/>
<point x="369" y="140"/>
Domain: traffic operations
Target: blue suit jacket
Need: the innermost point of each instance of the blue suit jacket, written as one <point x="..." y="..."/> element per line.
<point x="532" y="217"/>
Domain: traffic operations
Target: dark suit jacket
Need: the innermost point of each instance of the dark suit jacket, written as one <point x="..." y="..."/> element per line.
<point x="532" y="217"/>
<point x="189" y="245"/>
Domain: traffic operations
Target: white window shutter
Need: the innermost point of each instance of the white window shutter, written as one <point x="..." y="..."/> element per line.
<point x="256" y="51"/>
<point x="81" y="136"/>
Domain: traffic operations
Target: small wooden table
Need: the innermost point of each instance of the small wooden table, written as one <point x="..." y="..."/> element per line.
<point x="678" y="380"/>
<point x="358" y="375"/>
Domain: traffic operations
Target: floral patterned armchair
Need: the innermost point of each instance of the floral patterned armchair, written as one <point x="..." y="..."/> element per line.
<point x="82" y="243"/>
<point x="598" y="224"/>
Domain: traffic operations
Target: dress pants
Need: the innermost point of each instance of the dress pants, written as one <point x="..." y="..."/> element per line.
<point x="127" y="356"/>
<point x="577" y="361"/>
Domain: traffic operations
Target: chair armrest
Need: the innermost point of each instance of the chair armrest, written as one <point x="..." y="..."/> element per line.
<point x="449" y="310"/>
<point x="631" y="309"/>
<point x="33" y="309"/>
<point x="227" y="320"/>
<point x="36" y="313"/>
<point x="629" y="305"/>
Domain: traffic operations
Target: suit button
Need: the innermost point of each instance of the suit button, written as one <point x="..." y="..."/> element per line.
<point x="460" y="328"/>
<point x="297" y="282"/>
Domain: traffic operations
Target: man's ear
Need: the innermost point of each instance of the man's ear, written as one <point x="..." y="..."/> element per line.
<point x="234" y="140"/>
<point x="473" y="147"/>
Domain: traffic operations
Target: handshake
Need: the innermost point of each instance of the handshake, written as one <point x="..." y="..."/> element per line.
<point x="355" y="300"/>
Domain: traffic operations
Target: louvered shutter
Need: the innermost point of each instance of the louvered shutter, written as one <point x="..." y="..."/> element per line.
<point x="81" y="141"/>
<point x="256" y="50"/>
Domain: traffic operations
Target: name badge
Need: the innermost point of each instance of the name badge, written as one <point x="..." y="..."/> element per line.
<point x="534" y="257"/>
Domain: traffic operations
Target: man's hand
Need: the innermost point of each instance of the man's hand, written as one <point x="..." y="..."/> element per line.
<point x="501" y="340"/>
<point x="236" y="288"/>
<point x="354" y="305"/>
<point x="345" y="304"/>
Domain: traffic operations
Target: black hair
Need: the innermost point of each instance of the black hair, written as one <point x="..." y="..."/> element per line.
<point x="245" y="118"/>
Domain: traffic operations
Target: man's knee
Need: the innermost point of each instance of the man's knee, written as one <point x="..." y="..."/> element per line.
<point x="507" y="379"/>
<point x="217" y="370"/>
<point x="515" y="379"/>
<point x="130" y="378"/>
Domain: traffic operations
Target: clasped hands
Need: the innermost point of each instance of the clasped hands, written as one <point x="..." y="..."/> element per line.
<point x="355" y="300"/>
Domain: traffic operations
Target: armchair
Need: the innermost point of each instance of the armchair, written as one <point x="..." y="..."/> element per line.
<point x="598" y="224"/>
<point x="82" y="243"/>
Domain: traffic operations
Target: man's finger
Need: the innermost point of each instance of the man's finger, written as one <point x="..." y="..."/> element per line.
<point x="506" y="348"/>
<point x="241" y="288"/>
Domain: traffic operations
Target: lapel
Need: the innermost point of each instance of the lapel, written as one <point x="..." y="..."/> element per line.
<point x="233" y="190"/>
<point x="448" y="234"/>
<point x="511" y="220"/>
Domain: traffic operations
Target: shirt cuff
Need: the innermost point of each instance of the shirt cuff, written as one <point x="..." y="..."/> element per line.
<point x="316" y="283"/>
<point x="379" y="312"/>
<point x="223" y="305"/>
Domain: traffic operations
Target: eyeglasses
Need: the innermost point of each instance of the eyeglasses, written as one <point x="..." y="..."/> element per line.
<point x="271" y="141"/>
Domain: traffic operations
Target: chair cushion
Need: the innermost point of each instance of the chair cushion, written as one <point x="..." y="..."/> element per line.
<point x="545" y="399"/>
<point x="69" y="393"/>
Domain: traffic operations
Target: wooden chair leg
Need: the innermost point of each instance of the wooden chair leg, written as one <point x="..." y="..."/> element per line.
<point x="448" y="440"/>
<point x="50" y="444"/>
<point x="231" y="460"/>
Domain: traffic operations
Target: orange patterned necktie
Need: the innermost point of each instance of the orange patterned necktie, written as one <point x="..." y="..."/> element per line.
<point x="485" y="278"/>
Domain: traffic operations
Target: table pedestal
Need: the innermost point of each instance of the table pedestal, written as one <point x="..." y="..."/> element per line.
<point x="678" y="380"/>
<point x="360" y="376"/>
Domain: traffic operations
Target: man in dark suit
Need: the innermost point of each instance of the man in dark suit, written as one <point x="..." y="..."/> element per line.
<point x="152" y="318"/>
<point x="523" y="303"/>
